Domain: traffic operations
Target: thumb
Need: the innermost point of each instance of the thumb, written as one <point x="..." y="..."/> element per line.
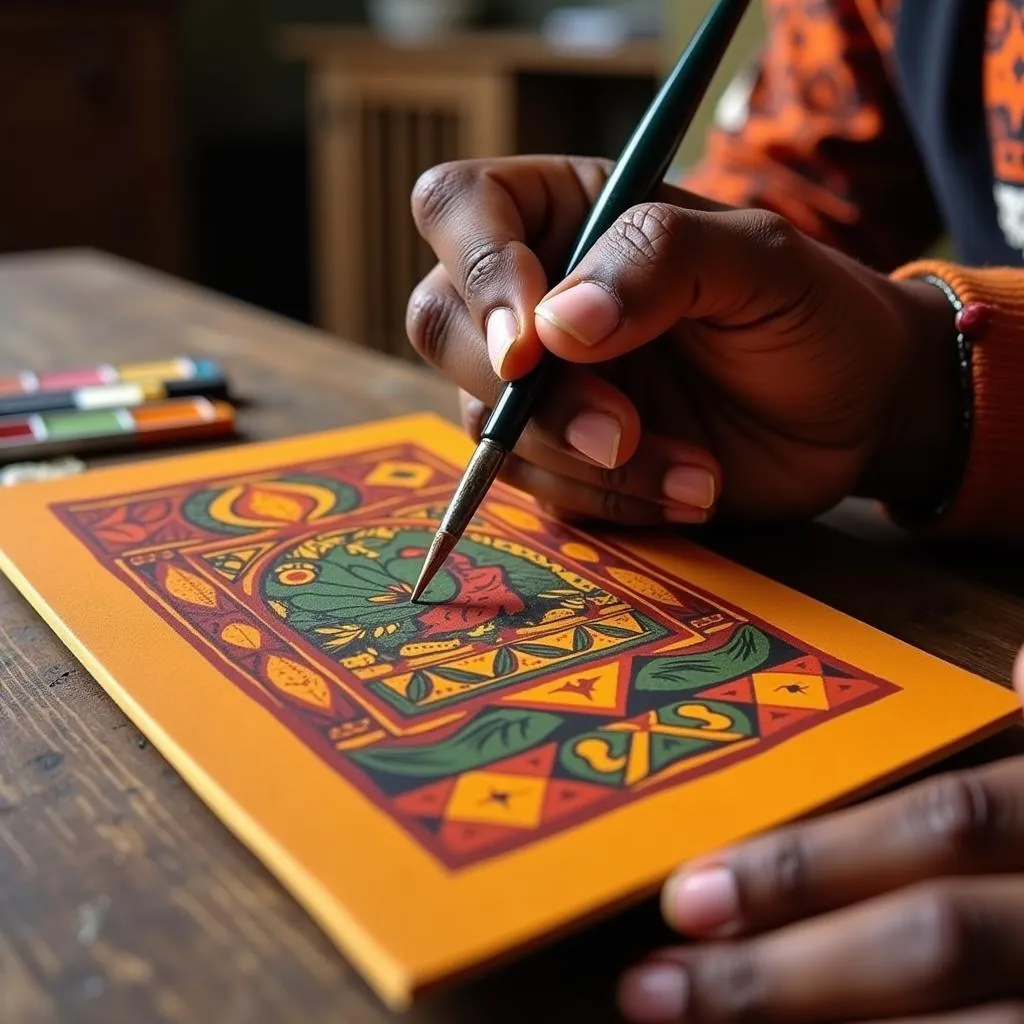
<point x="659" y="264"/>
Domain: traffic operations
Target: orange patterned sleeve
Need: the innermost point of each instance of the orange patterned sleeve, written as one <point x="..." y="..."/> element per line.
<point x="815" y="133"/>
<point x="989" y="501"/>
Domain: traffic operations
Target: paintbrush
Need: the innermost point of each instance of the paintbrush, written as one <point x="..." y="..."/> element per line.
<point x="639" y="171"/>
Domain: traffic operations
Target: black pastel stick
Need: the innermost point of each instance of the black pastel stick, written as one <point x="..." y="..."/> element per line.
<point x="110" y="396"/>
<point x="639" y="171"/>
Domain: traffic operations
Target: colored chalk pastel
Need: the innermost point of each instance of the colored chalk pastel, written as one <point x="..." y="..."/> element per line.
<point x="171" y="369"/>
<point x="48" y="434"/>
<point x="14" y="433"/>
<point x="175" y="373"/>
<point x="110" y="396"/>
<point x="206" y="369"/>
<point x="91" y="423"/>
<point x="66" y="380"/>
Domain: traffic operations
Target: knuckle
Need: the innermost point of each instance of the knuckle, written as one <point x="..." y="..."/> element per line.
<point x="953" y="812"/>
<point x="645" y="235"/>
<point x="482" y="265"/>
<point x="592" y="172"/>
<point x="435" y="191"/>
<point x="785" y="868"/>
<point x="428" y="323"/>
<point x="731" y="984"/>
<point x="772" y="231"/>
<point x="944" y="938"/>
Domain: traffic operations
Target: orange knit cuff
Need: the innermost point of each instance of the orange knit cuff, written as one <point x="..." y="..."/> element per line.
<point x="989" y="504"/>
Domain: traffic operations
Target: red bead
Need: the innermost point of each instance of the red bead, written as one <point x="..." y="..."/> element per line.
<point x="974" y="318"/>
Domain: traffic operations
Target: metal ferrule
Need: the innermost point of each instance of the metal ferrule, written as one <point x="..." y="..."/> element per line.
<point x="480" y="473"/>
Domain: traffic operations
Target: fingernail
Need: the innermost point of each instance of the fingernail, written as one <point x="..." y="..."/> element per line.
<point x="690" y="485"/>
<point x="585" y="312"/>
<point x="705" y="902"/>
<point x="596" y="435"/>
<point x="502" y="331"/>
<point x="650" y="995"/>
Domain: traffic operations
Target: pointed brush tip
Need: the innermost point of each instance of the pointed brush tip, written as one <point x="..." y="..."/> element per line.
<point x="440" y="548"/>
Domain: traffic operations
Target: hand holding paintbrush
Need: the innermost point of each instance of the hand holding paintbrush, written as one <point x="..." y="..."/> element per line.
<point x="637" y="174"/>
<point x="694" y="359"/>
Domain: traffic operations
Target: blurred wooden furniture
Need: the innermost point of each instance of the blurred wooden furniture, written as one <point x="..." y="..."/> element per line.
<point x="90" y="151"/>
<point x="380" y="114"/>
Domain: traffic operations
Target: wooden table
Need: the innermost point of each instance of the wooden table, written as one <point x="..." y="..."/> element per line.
<point x="122" y="898"/>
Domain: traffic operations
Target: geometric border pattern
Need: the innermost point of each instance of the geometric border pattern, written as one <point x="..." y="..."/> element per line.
<point x="563" y="679"/>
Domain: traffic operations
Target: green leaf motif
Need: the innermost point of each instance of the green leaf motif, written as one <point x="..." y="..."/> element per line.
<point x="458" y="675"/>
<point x="746" y="651"/>
<point x="196" y="511"/>
<point x="504" y="662"/>
<point x="420" y="687"/>
<point x="581" y="640"/>
<point x="608" y="630"/>
<point x="197" y="508"/>
<point x="492" y="736"/>
<point x="346" y="497"/>
<point x="541" y="650"/>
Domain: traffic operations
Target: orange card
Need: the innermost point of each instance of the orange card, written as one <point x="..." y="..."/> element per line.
<point x="566" y="718"/>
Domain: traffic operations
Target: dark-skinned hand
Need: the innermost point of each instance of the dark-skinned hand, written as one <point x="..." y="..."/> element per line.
<point x="718" y="359"/>
<point x="719" y="362"/>
<point x="908" y="907"/>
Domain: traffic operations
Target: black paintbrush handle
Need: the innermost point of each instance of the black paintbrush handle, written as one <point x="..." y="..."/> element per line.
<point x="641" y="168"/>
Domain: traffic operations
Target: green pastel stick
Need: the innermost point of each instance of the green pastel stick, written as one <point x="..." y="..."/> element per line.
<point x="67" y="426"/>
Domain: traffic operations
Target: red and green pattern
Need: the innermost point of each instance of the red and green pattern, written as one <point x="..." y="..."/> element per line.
<point x="549" y="677"/>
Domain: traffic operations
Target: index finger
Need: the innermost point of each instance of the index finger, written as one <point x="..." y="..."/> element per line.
<point x="971" y="823"/>
<point x="480" y="218"/>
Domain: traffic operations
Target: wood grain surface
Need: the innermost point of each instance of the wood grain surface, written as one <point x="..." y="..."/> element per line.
<point x="122" y="898"/>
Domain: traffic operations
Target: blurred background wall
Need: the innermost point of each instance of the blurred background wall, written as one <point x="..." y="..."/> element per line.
<point x="246" y="124"/>
<point x="175" y="131"/>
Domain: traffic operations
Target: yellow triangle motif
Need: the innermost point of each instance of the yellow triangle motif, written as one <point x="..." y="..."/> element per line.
<point x="594" y="689"/>
<point x="231" y="564"/>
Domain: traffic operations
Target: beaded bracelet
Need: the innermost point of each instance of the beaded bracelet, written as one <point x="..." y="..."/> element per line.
<point x="970" y="319"/>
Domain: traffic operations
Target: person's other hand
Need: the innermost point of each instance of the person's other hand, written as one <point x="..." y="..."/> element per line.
<point x="718" y="358"/>
<point x="908" y="907"/>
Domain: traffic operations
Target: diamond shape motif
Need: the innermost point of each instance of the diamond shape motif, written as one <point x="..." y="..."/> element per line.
<point x="787" y="686"/>
<point x="393" y="473"/>
<point x="496" y="798"/>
